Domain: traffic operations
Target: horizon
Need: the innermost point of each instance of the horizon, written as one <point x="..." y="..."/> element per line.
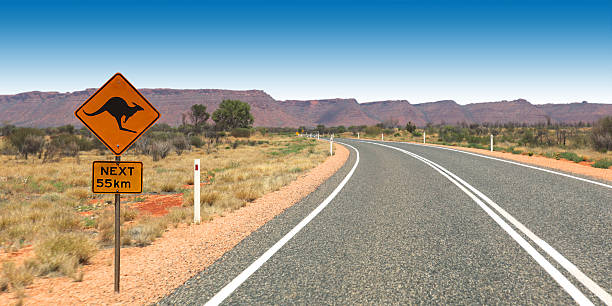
<point x="314" y="99"/>
<point x="471" y="52"/>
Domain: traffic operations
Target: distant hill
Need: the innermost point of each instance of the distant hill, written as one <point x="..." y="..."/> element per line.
<point x="43" y="109"/>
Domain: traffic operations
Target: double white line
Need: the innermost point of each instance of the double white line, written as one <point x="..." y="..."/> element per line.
<point x="476" y="196"/>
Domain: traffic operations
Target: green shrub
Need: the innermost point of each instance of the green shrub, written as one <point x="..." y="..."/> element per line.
<point x="603" y="163"/>
<point x="196" y="141"/>
<point x="373" y="130"/>
<point x="241" y="132"/>
<point x="571" y="156"/>
<point x="180" y="144"/>
<point x="601" y="134"/>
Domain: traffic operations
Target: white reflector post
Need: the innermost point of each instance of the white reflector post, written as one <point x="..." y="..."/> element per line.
<point x="491" y="142"/>
<point x="196" y="191"/>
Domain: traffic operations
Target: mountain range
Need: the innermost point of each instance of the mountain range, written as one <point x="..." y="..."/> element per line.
<point x="44" y="109"/>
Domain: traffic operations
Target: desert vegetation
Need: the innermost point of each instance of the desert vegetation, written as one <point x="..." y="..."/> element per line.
<point x="589" y="143"/>
<point x="51" y="224"/>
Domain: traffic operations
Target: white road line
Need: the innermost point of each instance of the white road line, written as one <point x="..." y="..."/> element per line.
<point x="510" y="162"/>
<point x="244" y="275"/>
<point x="552" y="252"/>
<point x="545" y="264"/>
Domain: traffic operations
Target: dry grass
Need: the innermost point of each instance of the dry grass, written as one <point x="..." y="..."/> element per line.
<point x="62" y="253"/>
<point x="40" y="202"/>
<point x="15" y="278"/>
<point x="244" y="174"/>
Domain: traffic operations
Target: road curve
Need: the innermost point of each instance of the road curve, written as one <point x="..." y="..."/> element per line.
<point x="403" y="231"/>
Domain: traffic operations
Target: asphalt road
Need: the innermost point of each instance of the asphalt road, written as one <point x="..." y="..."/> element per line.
<point x="401" y="231"/>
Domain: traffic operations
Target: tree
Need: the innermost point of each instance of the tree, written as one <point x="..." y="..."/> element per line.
<point x="198" y="114"/>
<point x="233" y="114"/>
<point x="321" y="129"/>
<point x="410" y="127"/>
<point x="27" y="140"/>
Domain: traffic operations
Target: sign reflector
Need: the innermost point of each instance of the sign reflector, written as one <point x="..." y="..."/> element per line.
<point x="116" y="177"/>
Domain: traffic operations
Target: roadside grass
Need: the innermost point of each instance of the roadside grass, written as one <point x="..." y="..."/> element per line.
<point x="569" y="152"/>
<point x="50" y="207"/>
<point x="603" y="163"/>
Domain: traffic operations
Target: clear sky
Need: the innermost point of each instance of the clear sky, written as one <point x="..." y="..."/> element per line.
<point x="469" y="51"/>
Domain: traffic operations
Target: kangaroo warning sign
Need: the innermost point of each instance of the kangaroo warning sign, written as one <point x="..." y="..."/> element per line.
<point x="116" y="177"/>
<point x="117" y="114"/>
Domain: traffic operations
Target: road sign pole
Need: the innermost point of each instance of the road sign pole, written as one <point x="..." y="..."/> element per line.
<point x="117" y="235"/>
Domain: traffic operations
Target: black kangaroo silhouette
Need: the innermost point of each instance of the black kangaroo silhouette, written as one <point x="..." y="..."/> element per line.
<point x="118" y="108"/>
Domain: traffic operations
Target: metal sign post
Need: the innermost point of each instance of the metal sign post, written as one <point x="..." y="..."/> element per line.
<point x="117" y="114"/>
<point x="117" y="235"/>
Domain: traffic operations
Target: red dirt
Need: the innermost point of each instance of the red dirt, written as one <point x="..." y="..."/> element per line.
<point x="158" y="205"/>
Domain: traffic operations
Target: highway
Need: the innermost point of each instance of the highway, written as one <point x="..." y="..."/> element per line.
<point x="412" y="224"/>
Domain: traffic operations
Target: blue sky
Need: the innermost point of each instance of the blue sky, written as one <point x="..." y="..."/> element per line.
<point x="469" y="51"/>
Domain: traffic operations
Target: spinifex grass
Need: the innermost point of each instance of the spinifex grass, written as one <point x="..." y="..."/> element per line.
<point x="50" y="205"/>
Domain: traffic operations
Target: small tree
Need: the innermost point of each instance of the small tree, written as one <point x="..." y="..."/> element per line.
<point x="32" y="144"/>
<point x="601" y="134"/>
<point x="180" y="144"/>
<point x="410" y="127"/>
<point x="233" y="114"/>
<point x="198" y="115"/>
<point x="27" y="140"/>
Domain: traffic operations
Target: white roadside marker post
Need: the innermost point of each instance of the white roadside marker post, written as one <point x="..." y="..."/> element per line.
<point x="196" y="191"/>
<point x="382" y="136"/>
<point x="491" y="142"/>
<point x="331" y="142"/>
<point x="357" y="135"/>
<point x="318" y="136"/>
<point x="423" y="136"/>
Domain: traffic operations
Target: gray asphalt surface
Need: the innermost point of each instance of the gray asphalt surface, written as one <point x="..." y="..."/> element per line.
<point x="399" y="232"/>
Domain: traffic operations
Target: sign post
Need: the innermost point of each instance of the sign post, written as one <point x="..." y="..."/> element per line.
<point x="118" y="115"/>
<point x="117" y="235"/>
